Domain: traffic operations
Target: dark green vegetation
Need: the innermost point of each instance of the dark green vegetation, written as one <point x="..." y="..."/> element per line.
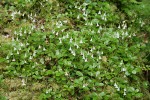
<point x="74" y="49"/>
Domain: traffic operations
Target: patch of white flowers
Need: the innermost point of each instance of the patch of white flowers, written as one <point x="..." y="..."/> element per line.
<point x="23" y="82"/>
<point x="117" y="87"/>
<point x="14" y="13"/>
<point x="124" y="93"/>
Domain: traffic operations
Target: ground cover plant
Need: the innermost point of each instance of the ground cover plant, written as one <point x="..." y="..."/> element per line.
<point x="76" y="49"/>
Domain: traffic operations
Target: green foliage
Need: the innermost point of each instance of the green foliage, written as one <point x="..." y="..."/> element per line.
<point x="1" y="85"/>
<point x="86" y="49"/>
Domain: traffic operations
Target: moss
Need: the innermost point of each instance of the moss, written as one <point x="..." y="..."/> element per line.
<point x="37" y="86"/>
<point x="13" y="84"/>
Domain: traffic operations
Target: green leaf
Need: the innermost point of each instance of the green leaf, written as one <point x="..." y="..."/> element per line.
<point x="79" y="73"/>
<point x="138" y="95"/>
<point x="2" y="60"/>
<point x="58" y="73"/>
<point x="134" y="72"/>
<point x="99" y="84"/>
<point x="42" y="60"/>
<point x="49" y="72"/>
<point x="102" y="94"/>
